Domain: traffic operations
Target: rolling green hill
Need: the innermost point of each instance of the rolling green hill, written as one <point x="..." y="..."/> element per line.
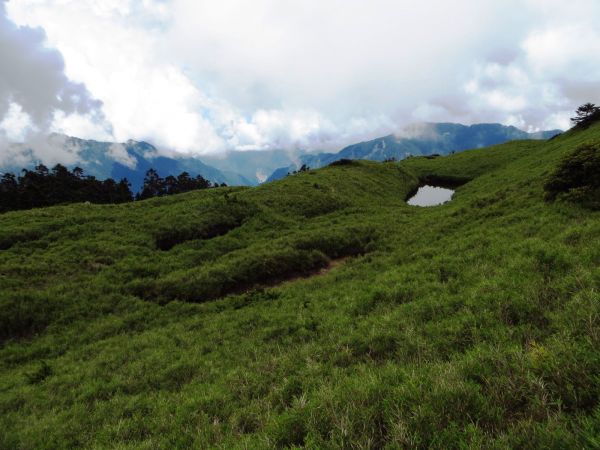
<point x="319" y="311"/>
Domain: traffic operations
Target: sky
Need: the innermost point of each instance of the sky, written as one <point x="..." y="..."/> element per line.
<point x="208" y="76"/>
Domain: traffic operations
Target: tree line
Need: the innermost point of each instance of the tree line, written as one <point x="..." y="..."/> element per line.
<point x="46" y="187"/>
<point x="156" y="186"/>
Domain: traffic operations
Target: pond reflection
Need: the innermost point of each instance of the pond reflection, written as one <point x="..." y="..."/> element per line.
<point x="431" y="196"/>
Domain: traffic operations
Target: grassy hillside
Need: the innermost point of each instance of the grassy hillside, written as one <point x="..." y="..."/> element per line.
<point x="317" y="311"/>
<point x="418" y="140"/>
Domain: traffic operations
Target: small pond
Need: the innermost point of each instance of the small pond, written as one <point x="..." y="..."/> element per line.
<point x="431" y="196"/>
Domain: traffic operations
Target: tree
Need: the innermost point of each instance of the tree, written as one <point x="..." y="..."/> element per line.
<point x="185" y="182"/>
<point x="78" y="172"/>
<point x="61" y="171"/>
<point x="154" y="186"/>
<point x="201" y="183"/>
<point x="41" y="170"/>
<point x="586" y="115"/>
<point x="171" y="185"/>
<point x="304" y="168"/>
<point x="8" y="192"/>
<point x="43" y="187"/>
<point x="8" y="182"/>
<point x="124" y="194"/>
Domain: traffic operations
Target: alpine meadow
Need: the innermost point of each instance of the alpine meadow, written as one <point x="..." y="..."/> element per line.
<point x="317" y="311"/>
<point x="299" y="224"/>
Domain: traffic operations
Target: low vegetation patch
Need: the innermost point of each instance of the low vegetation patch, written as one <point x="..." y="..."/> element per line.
<point x="238" y="272"/>
<point x="219" y="218"/>
<point x="300" y="255"/>
<point x="577" y="178"/>
<point x="445" y="181"/>
<point x="343" y="162"/>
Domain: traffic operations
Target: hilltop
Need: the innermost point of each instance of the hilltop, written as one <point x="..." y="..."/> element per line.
<point x="317" y="311"/>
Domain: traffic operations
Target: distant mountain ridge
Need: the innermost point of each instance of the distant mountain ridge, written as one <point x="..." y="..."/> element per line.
<point x="129" y="160"/>
<point x="132" y="159"/>
<point x="255" y="165"/>
<point x="417" y="140"/>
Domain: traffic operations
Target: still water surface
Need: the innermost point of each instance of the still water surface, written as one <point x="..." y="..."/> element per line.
<point x="431" y="196"/>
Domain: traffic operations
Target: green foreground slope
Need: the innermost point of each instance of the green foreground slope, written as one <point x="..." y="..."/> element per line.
<point x="317" y="311"/>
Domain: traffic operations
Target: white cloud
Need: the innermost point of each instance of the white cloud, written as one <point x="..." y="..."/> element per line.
<point x="33" y="85"/>
<point x="551" y="75"/>
<point x="81" y="125"/>
<point x="565" y="52"/>
<point x="342" y="58"/>
<point x="119" y="153"/>
<point x="16" y="123"/>
<point x="207" y="76"/>
<point x="143" y="97"/>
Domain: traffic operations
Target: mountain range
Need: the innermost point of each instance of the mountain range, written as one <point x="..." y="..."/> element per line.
<point x="129" y="160"/>
<point x="419" y="140"/>
<point x="132" y="159"/>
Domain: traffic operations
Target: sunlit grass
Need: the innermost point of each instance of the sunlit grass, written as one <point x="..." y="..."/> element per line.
<point x="471" y="324"/>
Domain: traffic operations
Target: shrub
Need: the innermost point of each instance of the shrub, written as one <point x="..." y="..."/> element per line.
<point x="576" y="178"/>
<point x="343" y="162"/>
<point x="446" y="181"/>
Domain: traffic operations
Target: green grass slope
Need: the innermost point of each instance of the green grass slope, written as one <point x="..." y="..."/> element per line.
<point x="320" y="311"/>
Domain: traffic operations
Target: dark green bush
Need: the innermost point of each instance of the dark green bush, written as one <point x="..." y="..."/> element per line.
<point x="577" y="178"/>
<point x="447" y="181"/>
<point x="343" y="162"/>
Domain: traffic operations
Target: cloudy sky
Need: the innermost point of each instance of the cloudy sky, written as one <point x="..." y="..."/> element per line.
<point x="200" y="76"/>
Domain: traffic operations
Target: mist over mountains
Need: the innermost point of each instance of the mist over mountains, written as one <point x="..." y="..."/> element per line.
<point x="132" y="159"/>
<point x="419" y="140"/>
<point x="103" y="160"/>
